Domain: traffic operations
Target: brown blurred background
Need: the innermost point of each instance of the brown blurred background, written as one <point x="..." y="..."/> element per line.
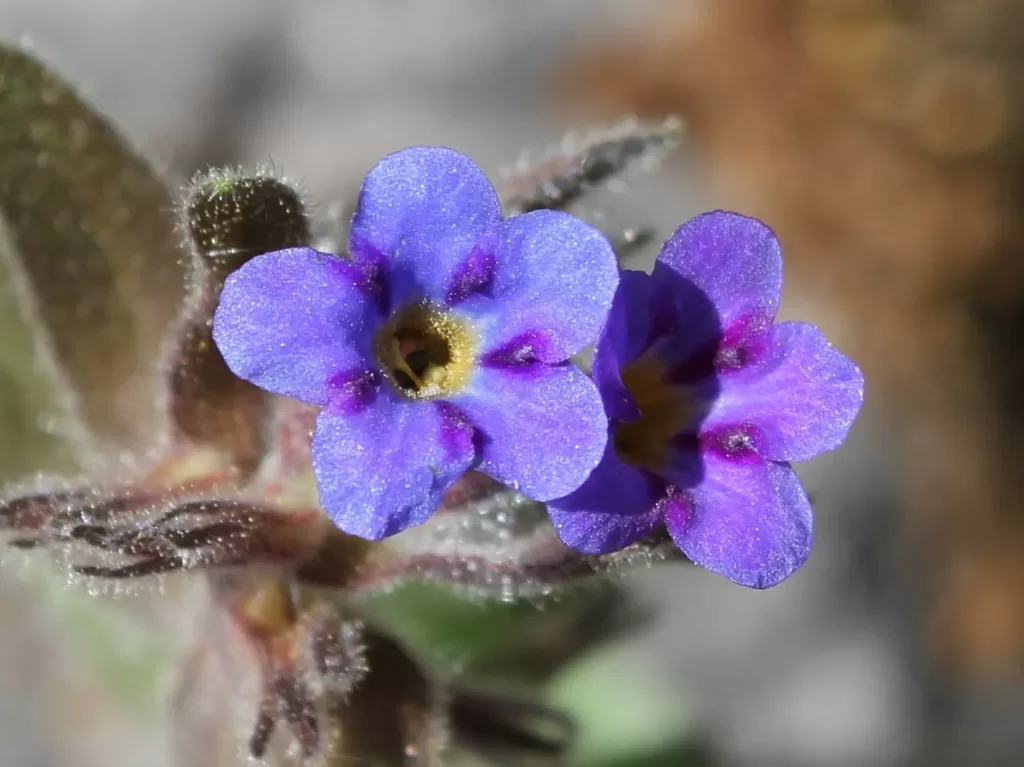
<point x="881" y="139"/>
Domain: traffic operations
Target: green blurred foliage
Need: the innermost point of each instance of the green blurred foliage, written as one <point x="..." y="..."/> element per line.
<point x="28" y="397"/>
<point x="628" y="713"/>
<point x="444" y="629"/>
<point x="629" y="716"/>
<point x="131" y="660"/>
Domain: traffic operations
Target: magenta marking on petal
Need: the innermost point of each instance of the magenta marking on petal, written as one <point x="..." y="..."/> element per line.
<point x="736" y="442"/>
<point x="675" y="507"/>
<point x="368" y="269"/>
<point x="474" y="275"/>
<point x="743" y="343"/>
<point x="425" y="209"/>
<point x="523" y="351"/>
<point x="797" y="389"/>
<point x="555" y="273"/>
<point x="289" y="320"/>
<point x="353" y="391"/>
<point x="457" y="431"/>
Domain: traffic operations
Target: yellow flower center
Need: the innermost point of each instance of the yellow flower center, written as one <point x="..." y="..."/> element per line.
<point x="426" y="353"/>
<point x="665" y="410"/>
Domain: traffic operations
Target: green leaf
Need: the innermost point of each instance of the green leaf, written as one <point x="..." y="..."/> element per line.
<point x="445" y="627"/>
<point x="130" y="660"/>
<point x="625" y="710"/>
<point x="28" y="397"/>
<point x="90" y="229"/>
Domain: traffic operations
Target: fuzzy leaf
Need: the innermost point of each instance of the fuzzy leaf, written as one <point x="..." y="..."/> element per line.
<point x="33" y="405"/>
<point x="92" y="241"/>
<point x="564" y="174"/>
<point x="132" y="533"/>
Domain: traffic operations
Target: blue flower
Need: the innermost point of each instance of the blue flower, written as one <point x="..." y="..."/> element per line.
<point x="708" y="402"/>
<point x="440" y="345"/>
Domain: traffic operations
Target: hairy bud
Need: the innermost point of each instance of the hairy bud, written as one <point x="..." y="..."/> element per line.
<point x="230" y="217"/>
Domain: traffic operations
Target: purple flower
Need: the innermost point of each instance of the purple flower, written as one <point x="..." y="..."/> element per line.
<point x="708" y="402"/>
<point x="439" y="346"/>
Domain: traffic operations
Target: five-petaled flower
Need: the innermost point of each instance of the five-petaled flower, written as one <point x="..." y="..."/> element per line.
<point x="708" y="402"/>
<point x="439" y="345"/>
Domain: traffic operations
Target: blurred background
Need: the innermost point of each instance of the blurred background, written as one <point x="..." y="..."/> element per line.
<point x="881" y="139"/>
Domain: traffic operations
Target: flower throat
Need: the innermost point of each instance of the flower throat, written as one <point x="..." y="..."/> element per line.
<point x="425" y="352"/>
<point x="665" y="411"/>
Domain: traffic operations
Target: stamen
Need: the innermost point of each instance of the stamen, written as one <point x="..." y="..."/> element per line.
<point x="402" y="364"/>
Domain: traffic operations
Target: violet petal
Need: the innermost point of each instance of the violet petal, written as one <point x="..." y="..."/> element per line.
<point x="749" y="520"/>
<point x="291" y="320"/>
<point x="799" y="392"/>
<point x="665" y="313"/>
<point x="735" y="260"/>
<point x="626" y="335"/>
<point x="386" y="467"/>
<point x="423" y="210"/>
<point x="554" y="275"/>
<point x="542" y="428"/>
<point x="616" y="506"/>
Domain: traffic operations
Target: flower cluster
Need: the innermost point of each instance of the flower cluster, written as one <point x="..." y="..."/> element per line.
<point x="443" y="343"/>
<point x="439" y="347"/>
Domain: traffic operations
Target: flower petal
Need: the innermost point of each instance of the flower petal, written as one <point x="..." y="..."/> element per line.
<point x="386" y="467"/>
<point x="798" y="392"/>
<point x="290" y="321"/>
<point x="423" y="210"/>
<point x="552" y="285"/>
<point x="543" y="429"/>
<point x="748" y="520"/>
<point x="666" y="314"/>
<point x="616" y="506"/>
<point x="627" y="333"/>
<point x="734" y="259"/>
